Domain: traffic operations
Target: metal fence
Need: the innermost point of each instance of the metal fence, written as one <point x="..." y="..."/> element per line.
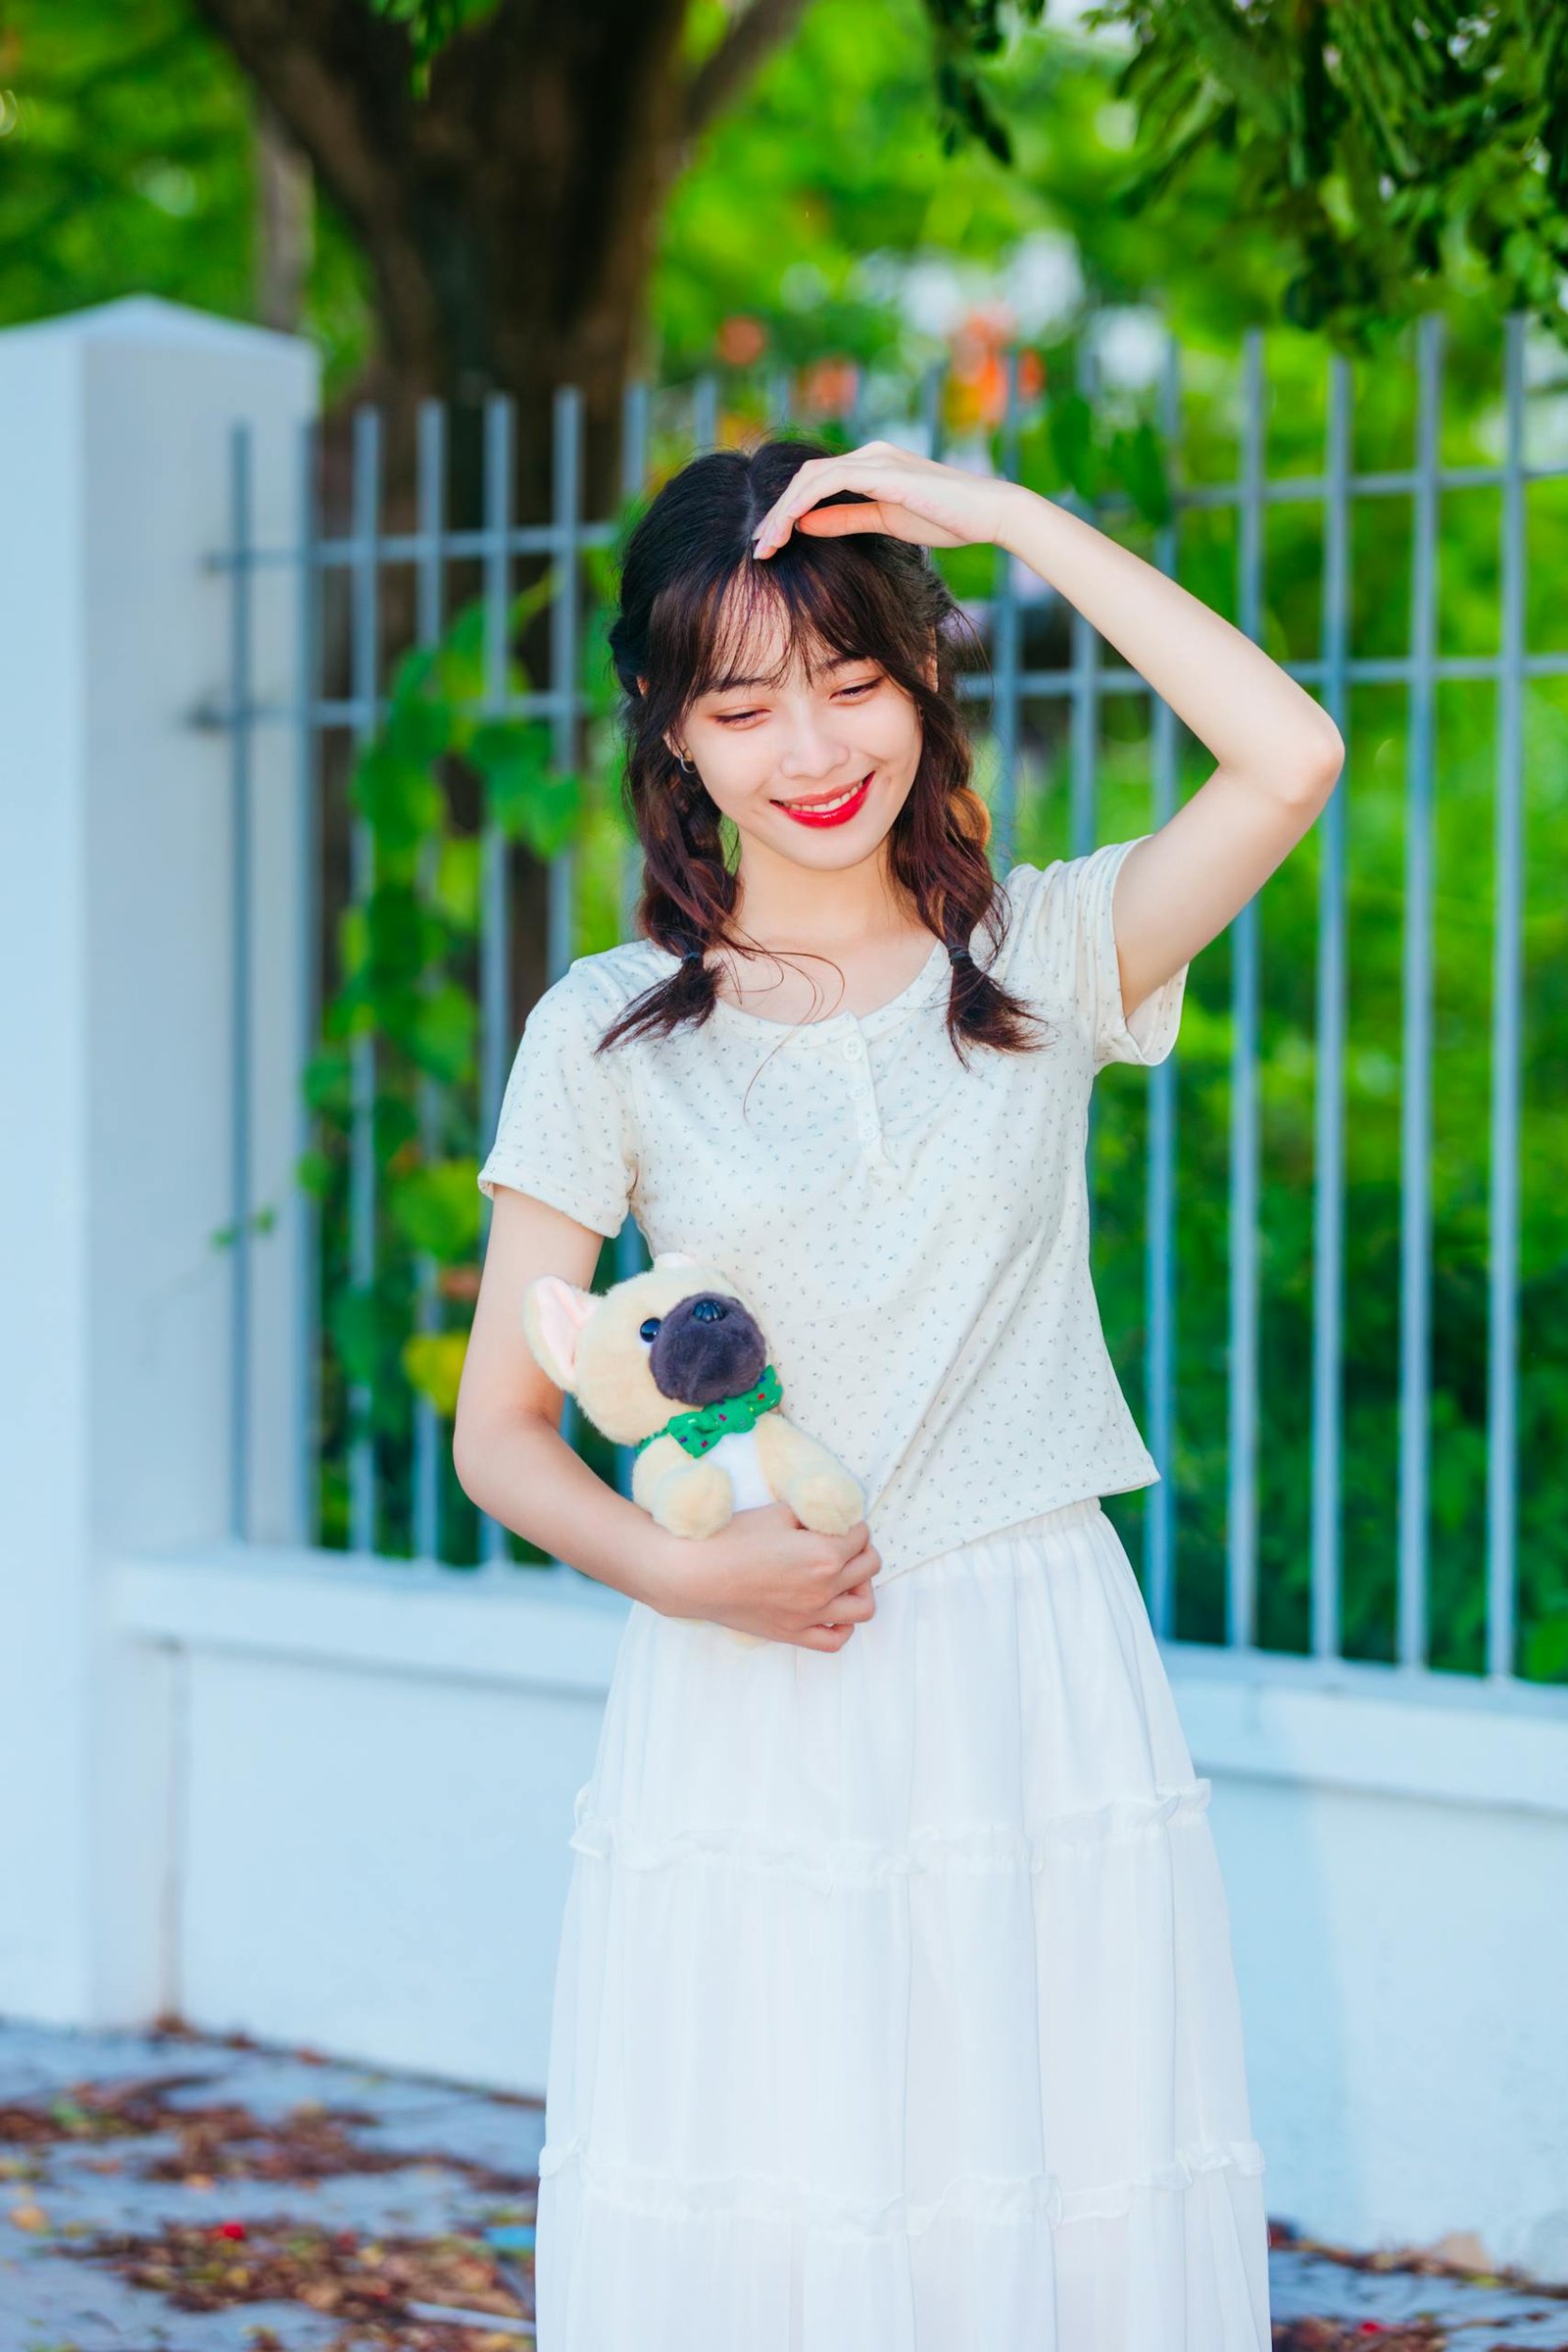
<point x="357" y="560"/>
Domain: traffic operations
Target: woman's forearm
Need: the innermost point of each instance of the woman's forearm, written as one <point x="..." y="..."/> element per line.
<point x="527" y="1477"/>
<point x="1250" y="713"/>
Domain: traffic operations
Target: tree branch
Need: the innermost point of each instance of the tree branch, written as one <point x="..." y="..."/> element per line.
<point x="724" y="72"/>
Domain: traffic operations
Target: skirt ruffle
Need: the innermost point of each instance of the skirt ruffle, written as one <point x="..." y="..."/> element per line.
<point x="895" y="2007"/>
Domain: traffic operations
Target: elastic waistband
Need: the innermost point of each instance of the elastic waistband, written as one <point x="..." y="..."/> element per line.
<point x="1044" y="1524"/>
<point x="1066" y="1514"/>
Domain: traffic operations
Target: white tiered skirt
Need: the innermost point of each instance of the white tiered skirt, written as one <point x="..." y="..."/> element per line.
<point x="895" y="2009"/>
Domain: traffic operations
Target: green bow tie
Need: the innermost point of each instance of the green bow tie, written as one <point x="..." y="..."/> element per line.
<point x="702" y="1428"/>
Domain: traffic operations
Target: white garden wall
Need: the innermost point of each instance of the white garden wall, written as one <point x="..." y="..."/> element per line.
<point x="116" y="935"/>
<point x="378" y="1764"/>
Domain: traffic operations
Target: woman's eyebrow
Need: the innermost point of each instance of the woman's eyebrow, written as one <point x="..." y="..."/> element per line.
<point x="733" y="685"/>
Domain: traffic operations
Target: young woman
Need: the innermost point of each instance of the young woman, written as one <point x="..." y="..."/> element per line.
<point x="895" y="2008"/>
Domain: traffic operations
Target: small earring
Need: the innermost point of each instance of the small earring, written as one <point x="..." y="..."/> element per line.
<point x="688" y="768"/>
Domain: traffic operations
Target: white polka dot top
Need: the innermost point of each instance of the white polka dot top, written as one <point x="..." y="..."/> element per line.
<point x="912" y="1236"/>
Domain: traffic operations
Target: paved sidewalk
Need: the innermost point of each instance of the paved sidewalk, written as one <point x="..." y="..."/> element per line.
<point x="274" y="2202"/>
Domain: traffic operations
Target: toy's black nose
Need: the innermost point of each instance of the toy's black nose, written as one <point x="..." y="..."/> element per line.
<point x="705" y="1347"/>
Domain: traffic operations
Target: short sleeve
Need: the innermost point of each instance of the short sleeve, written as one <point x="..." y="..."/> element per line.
<point x="564" y="1133"/>
<point x="1067" y="954"/>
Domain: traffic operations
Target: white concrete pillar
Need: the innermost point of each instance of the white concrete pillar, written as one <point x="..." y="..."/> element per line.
<point x="115" y="939"/>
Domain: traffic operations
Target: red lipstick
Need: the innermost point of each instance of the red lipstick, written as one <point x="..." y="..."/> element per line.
<point x="838" y="815"/>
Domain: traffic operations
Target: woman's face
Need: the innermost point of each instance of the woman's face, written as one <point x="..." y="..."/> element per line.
<point x="845" y="734"/>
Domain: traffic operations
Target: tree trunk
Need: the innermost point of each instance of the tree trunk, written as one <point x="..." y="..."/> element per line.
<point x="509" y="217"/>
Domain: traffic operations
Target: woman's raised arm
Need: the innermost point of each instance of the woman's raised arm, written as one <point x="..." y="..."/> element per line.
<point x="1278" y="753"/>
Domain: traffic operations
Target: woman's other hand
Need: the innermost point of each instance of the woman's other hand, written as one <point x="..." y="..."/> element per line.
<point x="766" y="1574"/>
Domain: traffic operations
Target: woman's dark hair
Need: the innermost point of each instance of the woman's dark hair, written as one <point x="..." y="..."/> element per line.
<point x="691" y="589"/>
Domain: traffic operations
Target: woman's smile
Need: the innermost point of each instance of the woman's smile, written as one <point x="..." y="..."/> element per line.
<point x="834" y="808"/>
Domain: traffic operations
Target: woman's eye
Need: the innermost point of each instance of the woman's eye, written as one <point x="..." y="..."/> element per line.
<point x="736" y="719"/>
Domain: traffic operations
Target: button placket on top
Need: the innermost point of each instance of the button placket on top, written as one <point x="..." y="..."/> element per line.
<point x="852" y="1047"/>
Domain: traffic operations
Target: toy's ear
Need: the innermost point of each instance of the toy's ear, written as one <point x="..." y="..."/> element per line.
<point x="675" y="1258"/>
<point x="554" y="1312"/>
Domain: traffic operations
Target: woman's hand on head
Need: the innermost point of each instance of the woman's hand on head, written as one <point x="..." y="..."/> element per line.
<point x="906" y="496"/>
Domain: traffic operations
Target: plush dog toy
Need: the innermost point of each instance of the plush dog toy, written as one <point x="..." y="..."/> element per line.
<point x="672" y="1362"/>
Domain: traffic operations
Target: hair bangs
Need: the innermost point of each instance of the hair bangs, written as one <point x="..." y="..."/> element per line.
<point x="812" y="606"/>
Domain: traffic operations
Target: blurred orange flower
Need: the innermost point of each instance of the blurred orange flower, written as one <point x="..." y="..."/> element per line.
<point x="741" y="341"/>
<point x="828" y="389"/>
<point x="978" y="383"/>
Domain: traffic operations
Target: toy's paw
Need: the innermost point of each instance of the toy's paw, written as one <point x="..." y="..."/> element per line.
<point x="828" y="1499"/>
<point x="695" y="1503"/>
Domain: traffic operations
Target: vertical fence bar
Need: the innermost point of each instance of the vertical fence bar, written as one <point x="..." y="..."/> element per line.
<point x="635" y="411"/>
<point x="307" y="854"/>
<point x="1159" y="1510"/>
<point x="704" y="412"/>
<point x="856" y="421"/>
<point x="429" y="614"/>
<point x="1507" y="981"/>
<point x="780" y="399"/>
<point x="242" y="699"/>
<point x="1084" y="738"/>
<point x="566" y="525"/>
<point x="495" y="928"/>
<point x="932" y="386"/>
<point x="1085" y="656"/>
<point x="631" y="1257"/>
<point x="633" y="482"/>
<point x="1005" y="637"/>
<point x="1328" y="1110"/>
<point x="1415" y="1119"/>
<point x="1242" y="1485"/>
<point x="365" y="625"/>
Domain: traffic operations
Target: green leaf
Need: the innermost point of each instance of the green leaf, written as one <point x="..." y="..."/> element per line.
<point x="329" y="1082"/>
<point x="530" y="800"/>
<point x="455" y="882"/>
<point x="1135" y="461"/>
<point x="401" y="935"/>
<point x="433" y="1365"/>
<point x="396" y="1123"/>
<point x="365" y="1330"/>
<point x="313" y="1172"/>
<point x="1072" y="438"/>
<point x="444" y="1031"/>
<point x="460" y="663"/>
<point x="397" y="796"/>
<point x="353" y="940"/>
<point x="1546" y="1649"/>
<point x="438" y="1210"/>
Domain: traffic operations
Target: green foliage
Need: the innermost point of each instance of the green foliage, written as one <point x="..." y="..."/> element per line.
<point x="1371" y="140"/>
<point x="127" y="153"/>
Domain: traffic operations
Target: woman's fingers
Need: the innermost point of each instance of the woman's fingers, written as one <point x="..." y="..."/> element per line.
<point x="897" y="518"/>
<point x="818" y="478"/>
<point x="906" y="497"/>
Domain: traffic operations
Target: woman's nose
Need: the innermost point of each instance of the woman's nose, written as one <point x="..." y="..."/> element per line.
<point x="814" y="748"/>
